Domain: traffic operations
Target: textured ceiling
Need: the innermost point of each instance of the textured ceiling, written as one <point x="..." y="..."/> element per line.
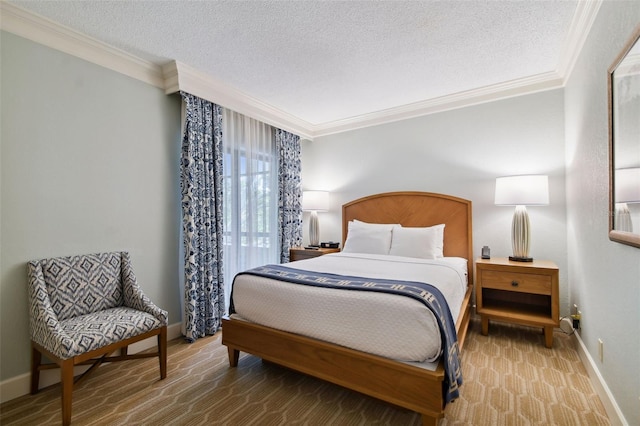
<point x="332" y="60"/>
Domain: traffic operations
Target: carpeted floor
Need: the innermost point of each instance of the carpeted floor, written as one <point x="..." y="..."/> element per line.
<point x="510" y="378"/>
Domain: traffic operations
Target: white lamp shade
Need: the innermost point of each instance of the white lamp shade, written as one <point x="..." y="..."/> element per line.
<point x="528" y="190"/>
<point x="315" y="201"/>
<point x="627" y="184"/>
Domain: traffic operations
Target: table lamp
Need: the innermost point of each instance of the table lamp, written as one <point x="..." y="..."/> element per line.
<point x="315" y="201"/>
<point x="521" y="191"/>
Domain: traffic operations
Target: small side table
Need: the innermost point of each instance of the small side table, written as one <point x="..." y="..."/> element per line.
<point x="518" y="292"/>
<point x="299" y="253"/>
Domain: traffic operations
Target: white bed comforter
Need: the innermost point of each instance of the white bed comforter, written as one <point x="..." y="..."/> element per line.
<point x="387" y="325"/>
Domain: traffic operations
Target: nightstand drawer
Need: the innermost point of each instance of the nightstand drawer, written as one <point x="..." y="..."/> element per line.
<point x="513" y="281"/>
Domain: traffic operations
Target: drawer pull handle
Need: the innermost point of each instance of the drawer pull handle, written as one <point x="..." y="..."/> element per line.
<point x="514" y="283"/>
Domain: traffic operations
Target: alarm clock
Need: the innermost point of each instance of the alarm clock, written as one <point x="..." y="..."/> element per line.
<point x="486" y="252"/>
<point x="329" y="244"/>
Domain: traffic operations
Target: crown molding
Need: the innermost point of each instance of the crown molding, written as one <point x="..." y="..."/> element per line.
<point x="51" y="34"/>
<point x="182" y="77"/>
<point x="523" y="86"/>
<point x="581" y="23"/>
<point x="174" y="76"/>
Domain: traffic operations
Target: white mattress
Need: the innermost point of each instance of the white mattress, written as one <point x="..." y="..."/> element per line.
<point x="387" y="325"/>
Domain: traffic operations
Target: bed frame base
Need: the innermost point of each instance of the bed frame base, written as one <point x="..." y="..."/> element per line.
<point x="400" y="384"/>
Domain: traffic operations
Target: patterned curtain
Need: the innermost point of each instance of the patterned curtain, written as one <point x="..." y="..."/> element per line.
<point x="201" y="185"/>
<point x="289" y="192"/>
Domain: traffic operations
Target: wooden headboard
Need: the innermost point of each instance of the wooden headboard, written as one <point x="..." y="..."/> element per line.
<point x="418" y="209"/>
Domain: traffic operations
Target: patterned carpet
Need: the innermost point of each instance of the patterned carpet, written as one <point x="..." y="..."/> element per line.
<point x="510" y="379"/>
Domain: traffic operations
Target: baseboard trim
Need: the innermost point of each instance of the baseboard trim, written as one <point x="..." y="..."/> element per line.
<point x="21" y="385"/>
<point x="600" y="386"/>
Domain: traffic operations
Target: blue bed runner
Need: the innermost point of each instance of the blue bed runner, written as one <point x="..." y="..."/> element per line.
<point x="429" y="295"/>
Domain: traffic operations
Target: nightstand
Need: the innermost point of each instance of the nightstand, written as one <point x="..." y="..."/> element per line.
<point x="299" y="253"/>
<point x="519" y="292"/>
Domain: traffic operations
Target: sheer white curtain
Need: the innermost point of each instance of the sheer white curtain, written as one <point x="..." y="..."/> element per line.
<point x="250" y="203"/>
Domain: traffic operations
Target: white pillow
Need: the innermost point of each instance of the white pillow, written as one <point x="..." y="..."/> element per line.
<point x="360" y="224"/>
<point x="424" y="243"/>
<point x="371" y="240"/>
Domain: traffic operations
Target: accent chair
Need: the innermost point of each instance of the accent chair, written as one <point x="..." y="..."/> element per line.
<point x="82" y="310"/>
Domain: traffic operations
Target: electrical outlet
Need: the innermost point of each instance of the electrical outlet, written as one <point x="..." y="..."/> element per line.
<point x="601" y="350"/>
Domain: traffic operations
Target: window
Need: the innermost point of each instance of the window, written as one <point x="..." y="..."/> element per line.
<point x="250" y="194"/>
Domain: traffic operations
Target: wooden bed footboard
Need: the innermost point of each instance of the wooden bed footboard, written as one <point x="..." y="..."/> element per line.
<point x="404" y="385"/>
<point x="401" y="384"/>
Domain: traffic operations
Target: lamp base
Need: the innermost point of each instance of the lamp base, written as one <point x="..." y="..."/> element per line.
<point x="622" y="220"/>
<point x="314" y="232"/>
<point x="520" y="235"/>
<point x="520" y="259"/>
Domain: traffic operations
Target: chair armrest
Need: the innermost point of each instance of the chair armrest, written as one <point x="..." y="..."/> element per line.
<point x="134" y="297"/>
<point x="44" y="328"/>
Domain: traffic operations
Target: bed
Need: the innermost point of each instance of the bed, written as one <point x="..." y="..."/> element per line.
<point x="400" y="383"/>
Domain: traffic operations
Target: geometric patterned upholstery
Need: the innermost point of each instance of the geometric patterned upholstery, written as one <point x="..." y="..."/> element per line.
<point x="81" y="303"/>
<point x="99" y="329"/>
<point x="80" y="285"/>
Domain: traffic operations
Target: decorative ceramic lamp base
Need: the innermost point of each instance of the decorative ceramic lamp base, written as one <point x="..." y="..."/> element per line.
<point x="622" y="219"/>
<point x="314" y="233"/>
<point x="520" y="235"/>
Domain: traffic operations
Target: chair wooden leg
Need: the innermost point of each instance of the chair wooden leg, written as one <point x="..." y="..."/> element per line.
<point x="36" y="359"/>
<point x="162" y="352"/>
<point x="66" y="379"/>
